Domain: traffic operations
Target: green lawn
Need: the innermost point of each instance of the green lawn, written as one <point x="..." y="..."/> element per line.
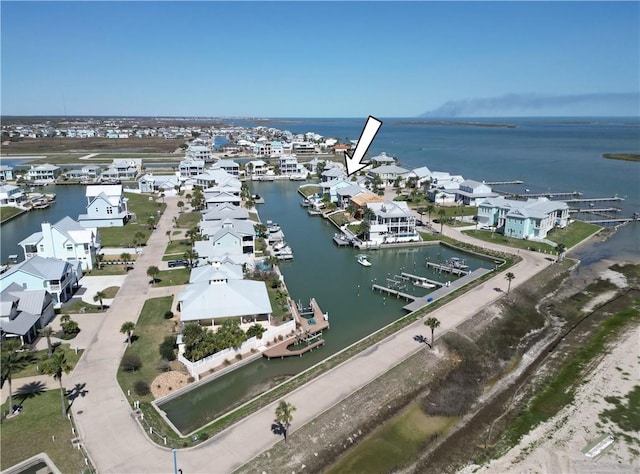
<point x="309" y="190"/>
<point x="32" y="432"/>
<point x="177" y="276"/>
<point x="111" y="291"/>
<point x="497" y="238"/>
<point x="178" y="246"/>
<point x="80" y="307"/>
<point x="39" y="356"/>
<point x="7" y="212"/>
<point x="187" y="220"/>
<point x="108" y="270"/>
<point x="278" y="310"/>
<point x="340" y="219"/>
<point x="573" y="234"/>
<point x="150" y="331"/>
<point x="139" y="205"/>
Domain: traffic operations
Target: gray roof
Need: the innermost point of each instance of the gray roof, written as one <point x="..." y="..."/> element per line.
<point x="351" y="190"/>
<point x="20" y="325"/>
<point x="389" y="169"/>
<point x="334" y="172"/>
<point x="390" y="209"/>
<point x="383" y="158"/>
<point x="226" y="271"/>
<point x="231" y="299"/>
<point x="46" y="268"/>
<point x="226" y="211"/>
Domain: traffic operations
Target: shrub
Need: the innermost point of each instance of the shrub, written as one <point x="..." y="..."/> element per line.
<point x="190" y="380"/>
<point x="164" y="366"/>
<point x="239" y="356"/>
<point x="203" y="436"/>
<point x="130" y="363"/>
<point x="141" y="388"/>
<point x="256" y="330"/>
<point x="167" y="348"/>
<point x="168" y="315"/>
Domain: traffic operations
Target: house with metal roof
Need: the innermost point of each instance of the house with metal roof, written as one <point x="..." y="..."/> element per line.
<point x="333" y="174"/>
<point x="382" y="159"/>
<point x="123" y="168"/>
<point x="190" y="167"/>
<point x="58" y="277"/>
<point x="24" y="312"/>
<point x="228" y="236"/>
<point x="66" y="240"/>
<point x="256" y="168"/>
<point x="471" y="192"/>
<point x="530" y="219"/>
<point x="397" y="217"/>
<point x="229" y="166"/>
<point x="6" y="173"/>
<point x="150" y="183"/>
<point x="106" y="207"/>
<point x="226" y="211"/>
<point x="11" y="195"/>
<point x="198" y="153"/>
<point x="388" y="174"/>
<point x="221" y="297"/>
<point x="43" y="173"/>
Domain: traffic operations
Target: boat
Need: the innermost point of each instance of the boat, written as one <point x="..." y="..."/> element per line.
<point x="279" y="245"/>
<point x="273" y="228"/>
<point x="423" y="284"/>
<point x="458" y="263"/>
<point x="363" y="260"/>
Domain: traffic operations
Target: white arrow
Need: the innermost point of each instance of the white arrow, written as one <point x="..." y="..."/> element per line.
<point x="353" y="161"/>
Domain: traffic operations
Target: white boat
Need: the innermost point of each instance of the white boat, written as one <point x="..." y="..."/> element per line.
<point x="363" y="260"/>
<point x="272" y="227"/>
<point x="423" y="284"/>
<point x="458" y="263"/>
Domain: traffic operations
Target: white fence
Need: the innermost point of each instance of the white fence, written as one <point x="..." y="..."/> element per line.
<point x="197" y="368"/>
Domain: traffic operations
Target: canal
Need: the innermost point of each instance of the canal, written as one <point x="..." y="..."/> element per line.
<point x="341" y="286"/>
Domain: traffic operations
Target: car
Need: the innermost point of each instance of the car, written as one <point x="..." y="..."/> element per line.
<point x="177" y="263"/>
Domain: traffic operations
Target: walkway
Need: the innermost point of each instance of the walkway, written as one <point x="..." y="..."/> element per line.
<point x="117" y="444"/>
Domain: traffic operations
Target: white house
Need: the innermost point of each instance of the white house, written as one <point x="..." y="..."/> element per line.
<point x="56" y="276"/>
<point x="150" y="183"/>
<point x="382" y="159"/>
<point x="11" y="195"/>
<point x="388" y="174"/>
<point x="333" y="174"/>
<point x="229" y="166"/>
<point x="65" y="240"/>
<point x="256" y="168"/>
<point x="190" y="167"/>
<point x="123" y="168"/>
<point x="226" y="211"/>
<point x="24" y="312"/>
<point x="106" y="207"/>
<point x="471" y="192"/>
<point x="45" y="172"/>
<point x="6" y="173"/>
<point x="398" y="221"/>
<point x="288" y="164"/>
<point x="228" y="236"/>
<point x="198" y="153"/>
<point x="530" y="219"/>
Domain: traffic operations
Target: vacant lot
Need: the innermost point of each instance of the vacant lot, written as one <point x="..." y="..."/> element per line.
<point x="60" y="144"/>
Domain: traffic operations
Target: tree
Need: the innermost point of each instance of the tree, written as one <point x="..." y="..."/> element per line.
<point x="168" y="234"/>
<point x="138" y="238"/>
<point x="69" y="326"/>
<point x="430" y="209"/>
<point x="441" y="214"/>
<point x="99" y="258"/>
<point x="432" y="323"/>
<point x="10" y="363"/>
<point x="56" y="366"/>
<point x="193" y="234"/>
<point x="256" y="330"/>
<point x="363" y="229"/>
<point x="162" y="196"/>
<point x="127" y="328"/>
<point x="180" y="205"/>
<point x="191" y="256"/>
<point x="99" y="296"/>
<point x="153" y="272"/>
<point x="125" y="257"/>
<point x="509" y="276"/>
<point x="151" y="222"/>
<point x="47" y="332"/>
<point x="284" y="416"/>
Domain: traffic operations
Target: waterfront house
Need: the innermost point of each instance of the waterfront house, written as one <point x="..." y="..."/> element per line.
<point x="530" y="219"/>
<point x="398" y="219"/>
<point x="330" y="188"/>
<point x="90" y="171"/>
<point x="227" y="236"/>
<point x="260" y="148"/>
<point x="56" y="276"/>
<point x="218" y="295"/>
<point x="303" y="148"/>
<point x="382" y="159"/>
<point x="24" y="312"/>
<point x="6" y="173"/>
<point x="256" y="168"/>
<point x="42" y="173"/>
<point x="346" y="193"/>
<point x="422" y="176"/>
<point x="11" y="195"/>
<point x="333" y="174"/>
<point x="289" y="165"/>
<point x="214" y="199"/>
<point x="198" y="153"/>
<point x="229" y="166"/>
<point x="226" y="211"/>
<point x="123" y="168"/>
<point x="190" y="167"/>
<point x="65" y="240"/>
<point x="388" y="174"/>
<point x="150" y="183"/>
<point x="212" y="178"/>
<point x="443" y="196"/>
<point x="360" y="201"/>
<point x="106" y="207"/>
<point x="277" y="149"/>
<point x="471" y="192"/>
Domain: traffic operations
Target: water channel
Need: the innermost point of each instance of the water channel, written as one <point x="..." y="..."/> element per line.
<point x="341" y="286"/>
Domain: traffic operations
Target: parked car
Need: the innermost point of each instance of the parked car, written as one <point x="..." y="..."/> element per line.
<point x="177" y="263"/>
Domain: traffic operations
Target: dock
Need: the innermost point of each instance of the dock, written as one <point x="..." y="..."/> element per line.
<point x="447" y="269"/>
<point x="562" y="196"/>
<point x="310" y="331"/>
<point x="591" y="210"/>
<point x="341" y="240"/>
<point x="444" y="290"/>
<point x="420" y="278"/>
<point x="499" y="183"/>
<point x="593" y="200"/>
<point x="391" y="291"/>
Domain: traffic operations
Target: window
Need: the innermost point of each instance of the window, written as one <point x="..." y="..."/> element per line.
<point x="69" y="247"/>
<point x="110" y="210"/>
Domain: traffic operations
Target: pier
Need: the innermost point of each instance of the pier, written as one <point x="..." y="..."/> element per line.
<point x="447" y="269"/>
<point x="562" y="196"/>
<point x="341" y="240"/>
<point x="499" y="183"/>
<point x="591" y="210"/>
<point x="591" y="200"/>
<point x="420" y="278"/>
<point x="310" y="331"/>
<point x="391" y="291"/>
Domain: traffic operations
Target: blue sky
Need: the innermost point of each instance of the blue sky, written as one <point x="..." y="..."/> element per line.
<point x="320" y="59"/>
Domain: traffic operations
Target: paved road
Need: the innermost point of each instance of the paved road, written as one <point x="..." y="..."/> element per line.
<point x="117" y="444"/>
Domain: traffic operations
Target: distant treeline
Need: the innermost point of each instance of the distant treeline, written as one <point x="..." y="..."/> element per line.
<point x="622" y="156"/>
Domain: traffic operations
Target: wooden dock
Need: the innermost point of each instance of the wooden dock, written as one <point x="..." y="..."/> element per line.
<point x="341" y="240"/>
<point x="448" y="269"/>
<point x="420" y="278"/>
<point x="310" y="332"/>
<point x="391" y="291"/>
<point x="498" y="183"/>
<point x="588" y="200"/>
<point x="591" y="210"/>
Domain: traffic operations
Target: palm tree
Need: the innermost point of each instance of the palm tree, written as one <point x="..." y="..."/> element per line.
<point x="430" y="209"/>
<point x="190" y="255"/>
<point x="284" y="416"/>
<point x="47" y="332"/>
<point x="441" y="213"/>
<point x="11" y="362"/>
<point x="56" y="366"/>
<point x="509" y="276"/>
<point x="127" y="328"/>
<point x="162" y="196"/>
<point x="99" y="258"/>
<point x="432" y="323"/>
<point x="99" y="296"/>
<point x="180" y="205"/>
<point x="153" y="272"/>
<point x="138" y="237"/>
